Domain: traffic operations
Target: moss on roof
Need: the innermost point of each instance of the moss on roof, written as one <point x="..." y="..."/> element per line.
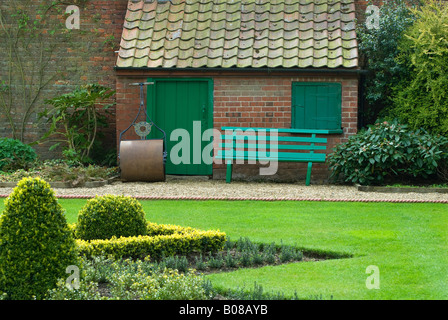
<point x="239" y="33"/>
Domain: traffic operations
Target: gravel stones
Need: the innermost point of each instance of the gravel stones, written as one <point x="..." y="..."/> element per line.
<point x="200" y="188"/>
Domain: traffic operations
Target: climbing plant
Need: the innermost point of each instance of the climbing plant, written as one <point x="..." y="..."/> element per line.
<point x="27" y="56"/>
<point x="33" y="38"/>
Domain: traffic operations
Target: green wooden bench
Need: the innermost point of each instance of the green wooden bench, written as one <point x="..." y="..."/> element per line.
<point x="246" y="143"/>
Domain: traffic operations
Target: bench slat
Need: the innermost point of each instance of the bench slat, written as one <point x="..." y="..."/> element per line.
<point x="266" y="156"/>
<point x="268" y="138"/>
<point x="268" y="147"/>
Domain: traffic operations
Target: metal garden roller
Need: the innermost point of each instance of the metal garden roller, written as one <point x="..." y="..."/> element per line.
<point x="144" y="159"/>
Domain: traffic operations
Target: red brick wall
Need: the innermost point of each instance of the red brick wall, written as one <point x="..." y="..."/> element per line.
<point x="87" y="57"/>
<point x="128" y="102"/>
<point x="266" y="102"/>
<point x="253" y="101"/>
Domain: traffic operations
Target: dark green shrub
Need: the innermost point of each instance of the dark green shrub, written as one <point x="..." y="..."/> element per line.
<point x="216" y="261"/>
<point x="255" y="293"/>
<point x="246" y="258"/>
<point x="104" y="217"/>
<point x="269" y="257"/>
<point x="200" y="263"/>
<point x="258" y="258"/>
<point x="387" y="150"/>
<point x="378" y="48"/>
<point x="176" y="262"/>
<point x="230" y="260"/>
<point x="288" y="253"/>
<point x="442" y="170"/>
<point x="36" y="244"/>
<point x="14" y="154"/>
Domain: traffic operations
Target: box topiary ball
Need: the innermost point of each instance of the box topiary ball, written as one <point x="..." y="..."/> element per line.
<point x="104" y="217"/>
<point x="36" y="244"/>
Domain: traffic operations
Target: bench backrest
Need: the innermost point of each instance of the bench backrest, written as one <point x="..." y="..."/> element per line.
<point x="266" y="143"/>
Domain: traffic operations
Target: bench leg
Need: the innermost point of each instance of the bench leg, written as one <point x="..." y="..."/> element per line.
<point x="229" y="171"/>
<point x="308" y="174"/>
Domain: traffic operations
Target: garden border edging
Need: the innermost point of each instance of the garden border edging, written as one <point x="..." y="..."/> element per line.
<point x="400" y="189"/>
<point x="180" y="198"/>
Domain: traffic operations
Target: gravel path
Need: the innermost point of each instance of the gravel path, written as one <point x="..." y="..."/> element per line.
<point x="218" y="189"/>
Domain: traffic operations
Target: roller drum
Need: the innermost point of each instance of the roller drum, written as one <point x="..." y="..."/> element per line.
<point x="142" y="160"/>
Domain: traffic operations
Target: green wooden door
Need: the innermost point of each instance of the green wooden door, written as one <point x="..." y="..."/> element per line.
<point x="316" y="105"/>
<point x="183" y="108"/>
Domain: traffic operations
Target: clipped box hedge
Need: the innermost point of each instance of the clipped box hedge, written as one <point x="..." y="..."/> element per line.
<point x="155" y="229"/>
<point x="161" y="240"/>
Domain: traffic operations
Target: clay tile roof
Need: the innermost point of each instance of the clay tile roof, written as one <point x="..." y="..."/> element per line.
<point x="239" y="33"/>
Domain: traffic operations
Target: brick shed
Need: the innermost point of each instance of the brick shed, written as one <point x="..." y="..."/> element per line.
<point x="242" y="63"/>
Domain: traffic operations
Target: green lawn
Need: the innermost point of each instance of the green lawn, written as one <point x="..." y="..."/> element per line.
<point x="407" y="242"/>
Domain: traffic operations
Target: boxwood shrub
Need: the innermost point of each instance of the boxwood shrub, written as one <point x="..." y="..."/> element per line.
<point x="104" y="217"/>
<point x="36" y="244"/>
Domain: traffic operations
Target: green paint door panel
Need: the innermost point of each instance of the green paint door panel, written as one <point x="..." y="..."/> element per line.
<point x="183" y="109"/>
<point x="316" y="105"/>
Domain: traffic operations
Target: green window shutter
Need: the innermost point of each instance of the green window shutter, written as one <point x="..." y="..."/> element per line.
<point x="316" y="105"/>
